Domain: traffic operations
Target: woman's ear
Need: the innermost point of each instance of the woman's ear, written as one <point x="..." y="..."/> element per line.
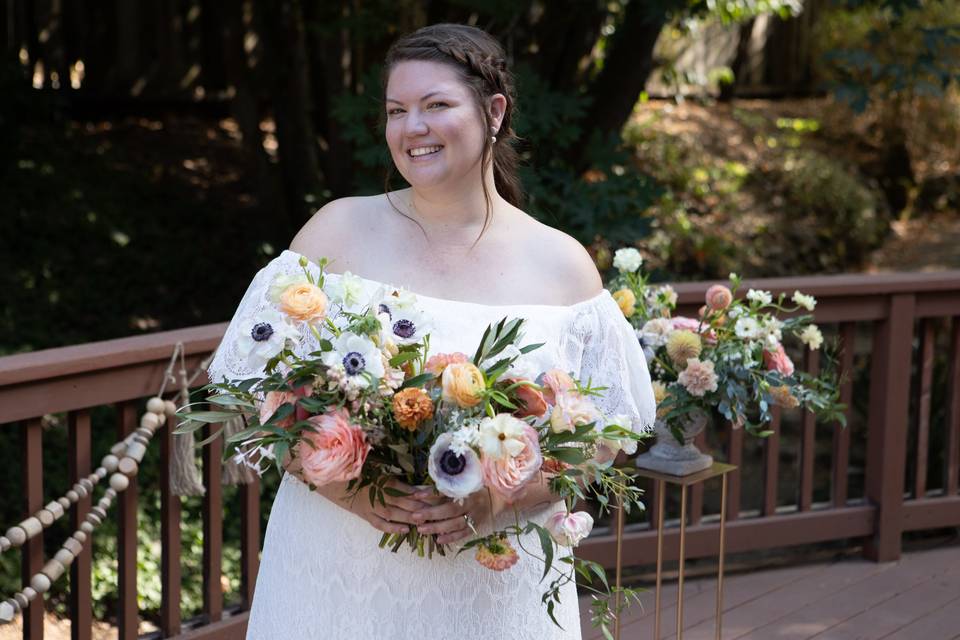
<point x="496" y="108"/>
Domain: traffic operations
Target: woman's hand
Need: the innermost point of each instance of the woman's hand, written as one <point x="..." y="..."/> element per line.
<point x="396" y="515"/>
<point x="449" y="520"/>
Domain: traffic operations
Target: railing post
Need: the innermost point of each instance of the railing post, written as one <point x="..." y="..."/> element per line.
<point x="128" y="622"/>
<point x="32" y="552"/>
<point x="887" y="426"/>
<point x="81" y="590"/>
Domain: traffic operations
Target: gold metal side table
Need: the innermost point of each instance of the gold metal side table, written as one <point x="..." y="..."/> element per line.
<point x="662" y="479"/>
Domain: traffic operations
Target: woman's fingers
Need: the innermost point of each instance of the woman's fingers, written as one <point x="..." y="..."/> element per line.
<point x="386" y="526"/>
<point x="440" y="512"/>
<point x="443" y="526"/>
<point x="395" y="514"/>
<point x="407" y="504"/>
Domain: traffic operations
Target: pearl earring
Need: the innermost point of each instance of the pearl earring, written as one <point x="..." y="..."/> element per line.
<point x="493" y="136"/>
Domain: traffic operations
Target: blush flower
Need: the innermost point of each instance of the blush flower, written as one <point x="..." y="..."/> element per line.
<point x="273" y="401"/>
<point x="334" y="450"/>
<point x="437" y="363"/>
<point x="497" y="554"/>
<point x="718" y="297"/>
<point x="571" y="411"/>
<point x="568" y="529"/>
<point x="507" y="476"/>
<point x="411" y="407"/>
<point x="531" y="400"/>
<point x="456" y="473"/>
<point x="698" y="378"/>
<point x="778" y="360"/>
<point x="555" y="381"/>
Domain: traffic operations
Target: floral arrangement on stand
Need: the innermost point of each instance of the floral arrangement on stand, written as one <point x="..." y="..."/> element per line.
<point x="372" y="405"/>
<point x="730" y="360"/>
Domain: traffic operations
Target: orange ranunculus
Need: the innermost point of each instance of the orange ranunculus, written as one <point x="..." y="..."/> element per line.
<point x="304" y="302"/>
<point x="411" y="407"/>
<point x="462" y="383"/>
<point x="532" y="401"/>
<point x="626" y="300"/>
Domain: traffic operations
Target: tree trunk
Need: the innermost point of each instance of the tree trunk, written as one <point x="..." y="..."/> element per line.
<point x="565" y="34"/>
<point x="627" y="66"/>
<point x="740" y="60"/>
<point x="285" y="53"/>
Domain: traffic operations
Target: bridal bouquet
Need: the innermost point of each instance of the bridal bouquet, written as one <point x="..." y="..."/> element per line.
<point x="730" y="358"/>
<point x="372" y="405"/>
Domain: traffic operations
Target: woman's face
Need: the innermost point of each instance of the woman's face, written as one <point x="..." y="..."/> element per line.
<point x="434" y="129"/>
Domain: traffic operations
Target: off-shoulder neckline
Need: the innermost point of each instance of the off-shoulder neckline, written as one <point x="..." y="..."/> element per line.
<point x="600" y="295"/>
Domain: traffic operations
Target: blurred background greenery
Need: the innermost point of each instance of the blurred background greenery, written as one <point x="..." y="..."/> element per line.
<point x="154" y="155"/>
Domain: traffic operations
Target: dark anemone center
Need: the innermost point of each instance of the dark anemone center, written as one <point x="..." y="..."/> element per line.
<point x="452" y="464"/>
<point x="385" y="309"/>
<point x="404" y="328"/>
<point x="261" y="331"/>
<point x="354" y="363"/>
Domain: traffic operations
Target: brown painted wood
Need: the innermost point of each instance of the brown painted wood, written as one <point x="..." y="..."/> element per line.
<point x="953" y="415"/>
<point x="32" y="552"/>
<point x="928" y="338"/>
<point x="79" y="466"/>
<point x="127" y="617"/>
<point x="212" y="527"/>
<point x="887" y="426"/>
<point x="696" y="491"/>
<point x="228" y="629"/>
<point x="808" y="441"/>
<point x="170" y="574"/>
<point x="771" y="465"/>
<point x="748" y="534"/>
<point x="651" y="501"/>
<point x="249" y="539"/>
<point x="938" y="305"/>
<point x="931" y="513"/>
<point x="841" y="435"/>
<point x="734" y="457"/>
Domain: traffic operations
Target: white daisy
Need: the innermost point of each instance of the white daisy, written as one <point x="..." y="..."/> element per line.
<point x="759" y="296"/>
<point x="746" y="328"/>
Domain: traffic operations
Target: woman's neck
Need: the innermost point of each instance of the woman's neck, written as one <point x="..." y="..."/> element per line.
<point x="455" y="214"/>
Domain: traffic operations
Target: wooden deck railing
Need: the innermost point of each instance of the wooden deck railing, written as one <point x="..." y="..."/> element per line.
<point x="885" y="320"/>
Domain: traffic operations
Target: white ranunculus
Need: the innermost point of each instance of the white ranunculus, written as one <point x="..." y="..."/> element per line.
<point x="346" y="289"/>
<point x="502" y="436"/>
<point x="568" y="529"/>
<point x="627" y="260"/>
<point x="263" y="337"/>
<point x="812" y="337"/>
<point x="357" y="355"/>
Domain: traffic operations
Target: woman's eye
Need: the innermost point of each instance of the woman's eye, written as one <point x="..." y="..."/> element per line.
<point x="391" y="112"/>
<point x="436" y="104"/>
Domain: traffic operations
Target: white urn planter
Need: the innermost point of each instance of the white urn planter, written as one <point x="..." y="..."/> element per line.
<point x="672" y="457"/>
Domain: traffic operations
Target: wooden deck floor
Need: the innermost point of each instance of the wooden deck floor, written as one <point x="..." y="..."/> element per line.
<point x="917" y="598"/>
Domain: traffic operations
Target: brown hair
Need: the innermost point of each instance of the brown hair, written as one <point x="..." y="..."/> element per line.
<point x="481" y="63"/>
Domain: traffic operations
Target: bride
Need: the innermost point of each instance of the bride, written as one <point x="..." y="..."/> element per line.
<point x="458" y="241"/>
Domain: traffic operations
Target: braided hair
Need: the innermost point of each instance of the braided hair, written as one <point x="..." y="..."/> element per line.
<point x="481" y="63"/>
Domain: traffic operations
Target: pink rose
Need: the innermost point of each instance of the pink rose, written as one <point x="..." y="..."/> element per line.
<point x="273" y="401"/>
<point x="556" y="381"/>
<point x="571" y="411"/>
<point x="778" y="361"/>
<point x="532" y="400"/>
<point x="437" y="363"/>
<point x="334" y="450"/>
<point x="568" y="529"/>
<point x="682" y="323"/>
<point x="719" y="297"/>
<point x="508" y="476"/>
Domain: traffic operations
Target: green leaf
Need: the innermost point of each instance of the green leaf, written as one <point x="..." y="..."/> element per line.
<point x="401" y="358"/>
<point x="212" y="417"/>
<point x="417" y="381"/>
<point x="546" y="544"/>
<point x="210" y="439"/>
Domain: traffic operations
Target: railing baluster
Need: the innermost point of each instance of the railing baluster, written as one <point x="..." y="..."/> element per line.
<point x="887" y="425"/>
<point x="127" y="621"/>
<point x="32" y="552"/>
<point x="808" y="441"/>
<point x="249" y="538"/>
<point x="734" y="456"/>
<point x="169" y="538"/>
<point x="953" y="417"/>
<point x="651" y="502"/>
<point x="928" y="337"/>
<point x="696" y="491"/>
<point x="212" y="527"/>
<point x="79" y="466"/>
<point x="841" y="436"/>
<point x="771" y="464"/>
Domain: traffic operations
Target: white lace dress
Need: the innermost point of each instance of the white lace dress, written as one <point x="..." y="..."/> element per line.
<point x="322" y="574"/>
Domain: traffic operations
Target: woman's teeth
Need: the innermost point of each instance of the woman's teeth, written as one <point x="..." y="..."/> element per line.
<point x="422" y="151"/>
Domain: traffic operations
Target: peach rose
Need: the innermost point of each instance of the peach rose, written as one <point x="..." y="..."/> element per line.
<point x="571" y="411"/>
<point x="509" y="475"/>
<point x="462" y="383"/>
<point x="778" y="361"/>
<point x="556" y="381"/>
<point x="334" y="450"/>
<point x="411" y="407"/>
<point x="304" y="301"/>
<point x="719" y="297"/>
<point x="436" y="364"/>
<point x="273" y="401"/>
<point x="532" y="401"/>
<point x="626" y="300"/>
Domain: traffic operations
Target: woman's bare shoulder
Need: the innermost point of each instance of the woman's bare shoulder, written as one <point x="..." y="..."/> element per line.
<point x="566" y="262"/>
<point x="335" y="227"/>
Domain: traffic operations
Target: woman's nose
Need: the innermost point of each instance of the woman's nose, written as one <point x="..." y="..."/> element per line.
<point x="415" y="125"/>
